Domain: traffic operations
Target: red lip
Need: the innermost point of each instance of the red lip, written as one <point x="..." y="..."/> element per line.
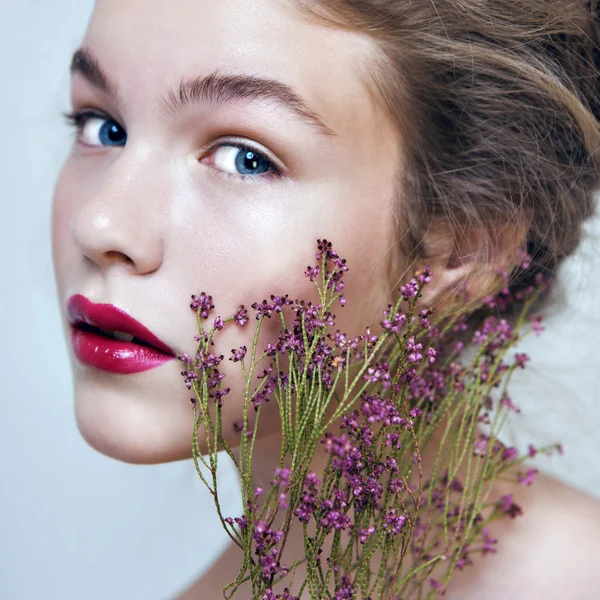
<point x="95" y="349"/>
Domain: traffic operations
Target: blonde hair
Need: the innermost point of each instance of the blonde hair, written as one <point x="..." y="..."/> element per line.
<point x="497" y="104"/>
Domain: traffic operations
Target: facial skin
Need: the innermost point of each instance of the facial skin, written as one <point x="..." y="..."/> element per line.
<point x="144" y="225"/>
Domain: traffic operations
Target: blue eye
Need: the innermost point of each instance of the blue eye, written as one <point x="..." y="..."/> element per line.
<point x="251" y="163"/>
<point x="241" y="160"/>
<point x="96" y="130"/>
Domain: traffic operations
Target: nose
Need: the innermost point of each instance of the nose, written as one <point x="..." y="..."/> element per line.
<point x="119" y="222"/>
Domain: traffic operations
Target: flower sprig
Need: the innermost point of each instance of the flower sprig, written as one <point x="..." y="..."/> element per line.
<point x="377" y="523"/>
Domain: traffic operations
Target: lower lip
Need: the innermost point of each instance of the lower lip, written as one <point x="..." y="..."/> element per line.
<point x="115" y="356"/>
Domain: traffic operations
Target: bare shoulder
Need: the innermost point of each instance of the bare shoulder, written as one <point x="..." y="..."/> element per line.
<point x="552" y="551"/>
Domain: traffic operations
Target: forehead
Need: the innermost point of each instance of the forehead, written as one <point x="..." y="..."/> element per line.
<point x="148" y="46"/>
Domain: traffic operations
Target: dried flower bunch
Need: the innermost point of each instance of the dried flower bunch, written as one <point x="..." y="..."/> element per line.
<point x="378" y="522"/>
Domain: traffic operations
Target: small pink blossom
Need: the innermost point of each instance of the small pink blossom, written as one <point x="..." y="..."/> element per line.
<point x="528" y="478"/>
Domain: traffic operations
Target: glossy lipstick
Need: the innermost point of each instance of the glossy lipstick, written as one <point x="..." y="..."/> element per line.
<point x="107" y="338"/>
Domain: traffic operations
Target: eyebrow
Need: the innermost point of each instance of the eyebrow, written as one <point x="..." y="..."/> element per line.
<point x="214" y="88"/>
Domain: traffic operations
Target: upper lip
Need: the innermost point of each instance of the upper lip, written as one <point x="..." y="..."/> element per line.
<point x="106" y="316"/>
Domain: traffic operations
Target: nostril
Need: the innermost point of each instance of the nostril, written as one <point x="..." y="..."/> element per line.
<point x="114" y="256"/>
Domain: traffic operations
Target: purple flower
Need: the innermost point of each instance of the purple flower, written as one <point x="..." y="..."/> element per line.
<point x="424" y="277"/>
<point x="218" y="324"/>
<point x="333" y="261"/>
<point x="189" y="377"/>
<point x="379" y="373"/>
<point x="282" y="476"/>
<point x="217" y="395"/>
<point x="260" y="397"/>
<point x="390" y="464"/>
<point x="263" y="309"/>
<point x="337" y="445"/>
<point x="241" y="316"/>
<point x="242" y="522"/>
<point x="509" y="454"/>
<point x="312" y="481"/>
<point x="393" y="321"/>
<point x="479" y="338"/>
<point x="278" y="302"/>
<point x="185" y="358"/>
<point x="409" y="290"/>
<point x="335" y="519"/>
<point x="537" y="326"/>
<point x="480" y="445"/>
<point x="209" y="360"/>
<point x="214" y="378"/>
<point x="456" y="486"/>
<point x="431" y="354"/>
<point x="239" y="354"/>
<point x="393" y="523"/>
<point x="509" y="507"/>
<point x="393" y="440"/>
<point x="270" y="595"/>
<point x="414" y="350"/>
<point x="396" y="486"/>
<point x="308" y="503"/>
<point x="312" y="272"/>
<point x="203" y="304"/>
<point x="365" y="533"/>
<point x="528" y="478"/>
<point x="379" y="410"/>
<point x="266" y="541"/>
<point x="345" y="591"/>
<point x="521" y="359"/>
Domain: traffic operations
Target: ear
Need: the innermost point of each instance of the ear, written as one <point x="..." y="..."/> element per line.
<point x="468" y="263"/>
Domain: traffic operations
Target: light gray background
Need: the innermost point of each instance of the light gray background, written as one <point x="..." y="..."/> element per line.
<point x="74" y="524"/>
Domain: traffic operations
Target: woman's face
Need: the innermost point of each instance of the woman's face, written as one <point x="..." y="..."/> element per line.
<point x="217" y="142"/>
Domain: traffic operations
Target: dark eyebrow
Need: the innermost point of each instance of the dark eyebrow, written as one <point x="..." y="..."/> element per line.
<point x="214" y="88"/>
<point x="84" y="63"/>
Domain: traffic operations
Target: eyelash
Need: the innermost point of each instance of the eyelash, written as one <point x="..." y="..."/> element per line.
<point x="77" y="120"/>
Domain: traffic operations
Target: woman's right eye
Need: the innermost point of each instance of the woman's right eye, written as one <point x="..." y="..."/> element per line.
<point x="97" y="130"/>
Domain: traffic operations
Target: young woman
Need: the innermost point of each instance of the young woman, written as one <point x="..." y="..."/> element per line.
<point x="216" y="141"/>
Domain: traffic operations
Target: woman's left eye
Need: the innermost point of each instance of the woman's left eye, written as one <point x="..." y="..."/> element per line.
<point x="242" y="161"/>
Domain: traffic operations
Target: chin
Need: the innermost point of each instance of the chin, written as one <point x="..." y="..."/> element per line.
<point x="133" y="427"/>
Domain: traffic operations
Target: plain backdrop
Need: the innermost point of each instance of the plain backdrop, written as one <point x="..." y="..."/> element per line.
<point x="74" y="524"/>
